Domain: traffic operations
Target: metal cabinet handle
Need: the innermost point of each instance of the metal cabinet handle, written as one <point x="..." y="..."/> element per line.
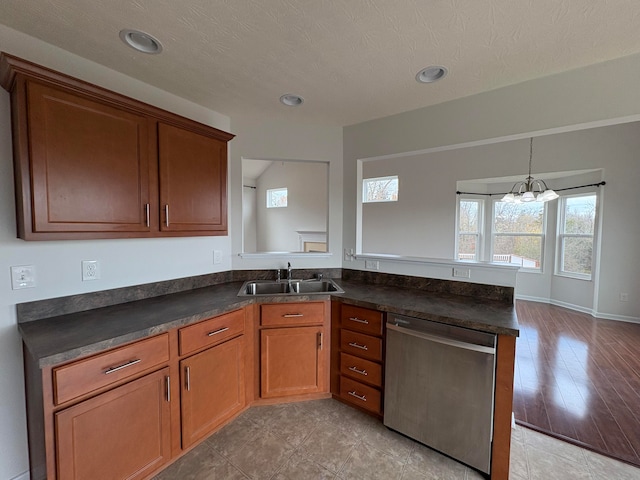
<point x="216" y="332"/>
<point x="320" y="340"/>
<point x="357" y="345"/>
<point x="166" y="215"/>
<point x="293" y="315"/>
<point x="120" y="367"/>
<point x="357" y="370"/>
<point x="359" y="397"/>
<point x="168" y="386"/>
<point x="146" y="213"/>
<point x="187" y="378"/>
<point x="359" y="320"/>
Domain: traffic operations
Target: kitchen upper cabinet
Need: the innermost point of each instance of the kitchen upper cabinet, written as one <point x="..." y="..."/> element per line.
<point x="193" y="181"/>
<point x="90" y="163"/>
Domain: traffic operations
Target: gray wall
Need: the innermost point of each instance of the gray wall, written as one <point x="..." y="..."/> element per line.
<point x="594" y="96"/>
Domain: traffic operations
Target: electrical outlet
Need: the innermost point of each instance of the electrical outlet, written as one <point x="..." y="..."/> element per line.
<point x="372" y="264"/>
<point x="90" y="270"/>
<point x="624" y="297"/>
<point x="217" y="257"/>
<point x="23" y="276"/>
<point x="462" y="272"/>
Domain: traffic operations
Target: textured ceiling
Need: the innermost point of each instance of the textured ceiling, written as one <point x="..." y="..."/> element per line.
<point x="352" y="60"/>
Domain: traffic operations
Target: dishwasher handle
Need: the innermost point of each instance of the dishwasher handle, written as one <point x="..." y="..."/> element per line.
<point x="443" y="340"/>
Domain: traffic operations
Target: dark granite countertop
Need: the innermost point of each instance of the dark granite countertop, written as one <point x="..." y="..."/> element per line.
<point x="62" y="338"/>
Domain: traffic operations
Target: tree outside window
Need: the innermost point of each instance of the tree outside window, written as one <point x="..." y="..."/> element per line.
<point x="518" y="234"/>
<point x="469" y="225"/>
<point x="575" y="235"/>
<point x="381" y="189"/>
<point x="277" y="197"/>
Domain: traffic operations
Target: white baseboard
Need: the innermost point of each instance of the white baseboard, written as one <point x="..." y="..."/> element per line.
<point x="578" y="308"/>
<point x="22" y="476"/>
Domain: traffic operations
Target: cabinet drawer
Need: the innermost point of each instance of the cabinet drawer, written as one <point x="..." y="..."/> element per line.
<point x="283" y="314"/>
<point x="211" y="332"/>
<point x="362" y="395"/>
<point x="360" y="369"/>
<point x="361" y="345"/>
<point x="362" y="319"/>
<point x="84" y="376"/>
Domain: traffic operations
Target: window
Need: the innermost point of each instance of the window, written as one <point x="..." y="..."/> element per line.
<point x="381" y="189"/>
<point x="276" y="197"/>
<point x="576" y="227"/>
<point x="469" y="228"/>
<point x="518" y="234"/>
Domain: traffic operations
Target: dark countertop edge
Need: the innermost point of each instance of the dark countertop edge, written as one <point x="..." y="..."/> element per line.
<point x="352" y="299"/>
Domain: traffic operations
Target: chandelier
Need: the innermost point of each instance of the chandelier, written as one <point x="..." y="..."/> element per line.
<point x="530" y="190"/>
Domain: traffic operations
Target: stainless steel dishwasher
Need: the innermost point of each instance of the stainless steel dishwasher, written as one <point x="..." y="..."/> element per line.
<point x="439" y="387"/>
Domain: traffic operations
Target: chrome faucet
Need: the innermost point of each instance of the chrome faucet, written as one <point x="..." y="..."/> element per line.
<point x="289" y="271"/>
<point x="278" y="275"/>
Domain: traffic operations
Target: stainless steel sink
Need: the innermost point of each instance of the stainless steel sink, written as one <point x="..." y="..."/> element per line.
<point x="286" y="287"/>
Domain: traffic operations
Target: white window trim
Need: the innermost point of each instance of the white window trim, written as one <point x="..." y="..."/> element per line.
<point x="366" y="181"/>
<point x="560" y="236"/>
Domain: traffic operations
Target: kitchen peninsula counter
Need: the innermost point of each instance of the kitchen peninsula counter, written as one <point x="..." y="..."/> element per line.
<point x="60" y="338"/>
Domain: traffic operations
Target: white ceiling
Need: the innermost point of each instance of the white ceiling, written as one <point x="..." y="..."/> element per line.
<point x="351" y="60"/>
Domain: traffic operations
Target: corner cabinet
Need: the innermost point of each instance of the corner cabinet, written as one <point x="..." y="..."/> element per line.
<point x="212" y="382"/>
<point x="90" y="163"/>
<point x="293" y="349"/>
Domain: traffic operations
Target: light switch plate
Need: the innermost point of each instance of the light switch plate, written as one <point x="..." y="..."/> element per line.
<point x="217" y="257"/>
<point x="462" y="272"/>
<point x="23" y="276"/>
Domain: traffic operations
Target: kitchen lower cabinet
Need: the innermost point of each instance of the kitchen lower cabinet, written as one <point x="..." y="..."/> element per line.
<point x="212" y="389"/>
<point x="123" y="433"/>
<point x="357" y="357"/>
<point x="292" y="361"/>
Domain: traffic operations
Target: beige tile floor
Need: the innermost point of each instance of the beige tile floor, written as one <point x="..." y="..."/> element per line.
<point x="324" y="439"/>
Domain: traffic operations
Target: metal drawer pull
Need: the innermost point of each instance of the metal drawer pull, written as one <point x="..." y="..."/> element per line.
<point x="357" y="345"/>
<point x="357" y="370"/>
<point x="216" y="332"/>
<point x="359" y="320"/>
<point x="292" y="315"/>
<point x="166" y="215"/>
<point x="187" y="377"/>
<point x="168" y="382"/>
<point x="359" y="397"/>
<point x="120" y="367"/>
<point x="146" y="213"/>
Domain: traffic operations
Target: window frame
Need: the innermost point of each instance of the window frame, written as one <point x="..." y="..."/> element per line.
<point x="542" y="235"/>
<point x="365" y="189"/>
<point x="271" y="191"/>
<point x="561" y="235"/>
<point x="480" y="234"/>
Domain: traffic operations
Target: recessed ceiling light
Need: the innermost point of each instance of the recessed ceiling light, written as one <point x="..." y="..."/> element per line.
<point x="291" y="100"/>
<point x="143" y="42"/>
<point x="431" y="74"/>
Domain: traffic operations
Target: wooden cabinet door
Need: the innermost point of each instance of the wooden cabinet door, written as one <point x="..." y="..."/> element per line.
<point x="193" y="181"/>
<point x="123" y="433"/>
<point x="89" y="165"/>
<point x="212" y="389"/>
<point x="292" y="361"/>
